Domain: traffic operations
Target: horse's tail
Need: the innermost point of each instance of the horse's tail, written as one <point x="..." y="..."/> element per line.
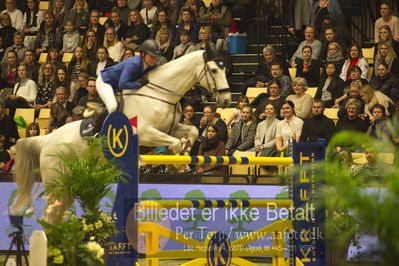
<point x="27" y="161"/>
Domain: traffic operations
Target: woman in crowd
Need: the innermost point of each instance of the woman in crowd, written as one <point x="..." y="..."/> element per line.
<point x="236" y="115"/>
<point x="24" y="93"/>
<point x="32" y="18"/>
<point x="148" y="12"/>
<point x="6" y="30"/>
<point x="211" y="118"/>
<point x="61" y="96"/>
<point x="372" y="97"/>
<point x="355" y="73"/>
<point x="221" y="17"/>
<point x="243" y="132"/>
<point x="45" y="91"/>
<point x="334" y="55"/>
<point x="54" y="57"/>
<point x="96" y="27"/>
<point x="47" y="35"/>
<point x="385" y="36"/>
<point x="288" y="129"/>
<point x="90" y="45"/>
<point x="378" y="128"/>
<point x="386" y="55"/>
<point x="197" y="9"/>
<point x="330" y="36"/>
<point x="212" y="146"/>
<point x="354" y="93"/>
<point x="103" y="61"/>
<point x="204" y="36"/>
<point x="58" y="117"/>
<point x="137" y="32"/>
<point x="310" y="40"/>
<point x="331" y="87"/>
<point x="62" y="79"/>
<point x="308" y="68"/>
<point x="188" y="117"/>
<point x="302" y="101"/>
<point x="58" y="8"/>
<point x="386" y="19"/>
<point x="83" y="80"/>
<point x="186" y="23"/>
<point x="32" y="130"/>
<point x="9" y="73"/>
<point x="265" y="137"/>
<point x="352" y="119"/>
<point x="15" y="14"/>
<point x="386" y="82"/>
<point x="129" y="52"/>
<point x="165" y="42"/>
<point x="79" y="63"/>
<point x="355" y="58"/>
<point x="161" y="21"/>
<point x="114" y="46"/>
<point x="273" y="96"/>
<point x="79" y="14"/>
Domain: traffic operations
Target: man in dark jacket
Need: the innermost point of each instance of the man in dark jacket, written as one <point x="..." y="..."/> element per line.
<point x="386" y="82"/>
<point x="8" y="128"/>
<point x="318" y="126"/>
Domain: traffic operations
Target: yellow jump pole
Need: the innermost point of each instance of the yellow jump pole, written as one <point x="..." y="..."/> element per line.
<point x="221" y="160"/>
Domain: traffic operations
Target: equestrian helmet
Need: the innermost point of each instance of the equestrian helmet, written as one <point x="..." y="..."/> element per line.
<point x="151" y="46"/>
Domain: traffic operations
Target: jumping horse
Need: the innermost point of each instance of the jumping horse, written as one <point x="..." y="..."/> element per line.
<point x="157" y="107"/>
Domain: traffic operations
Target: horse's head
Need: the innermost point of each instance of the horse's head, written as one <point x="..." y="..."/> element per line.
<point x="213" y="76"/>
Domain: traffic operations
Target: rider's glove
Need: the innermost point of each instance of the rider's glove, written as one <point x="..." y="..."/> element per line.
<point x="142" y="81"/>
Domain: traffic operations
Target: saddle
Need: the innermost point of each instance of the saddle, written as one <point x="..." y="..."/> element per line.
<point x="93" y="119"/>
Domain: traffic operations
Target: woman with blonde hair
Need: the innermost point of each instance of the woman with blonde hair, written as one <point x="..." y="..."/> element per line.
<point x="6" y="30"/>
<point x="112" y="43"/>
<point x="164" y="39"/>
<point x="372" y="97"/>
<point x="386" y="54"/>
<point x="90" y="45"/>
<point x="385" y="35"/>
<point x="243" y="132"/>
<point x="45" y="90"/>
<point x="204" y="35"/>
<point x="79" y="63"/>
<point x="302" y="101"/>
<point x="137" y="31"/>
<point x="47" y="35"/>
<point x="79" y="14"/>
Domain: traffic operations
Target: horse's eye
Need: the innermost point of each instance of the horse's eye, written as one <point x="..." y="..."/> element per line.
<point x="214" y="70"/>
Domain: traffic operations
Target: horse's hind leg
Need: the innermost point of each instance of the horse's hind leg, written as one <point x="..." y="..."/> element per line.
<point x="185" y="131"/>
<point x="153" y="137"/>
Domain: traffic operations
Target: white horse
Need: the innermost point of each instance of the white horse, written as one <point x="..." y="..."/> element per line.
<point x="157" y="108"/>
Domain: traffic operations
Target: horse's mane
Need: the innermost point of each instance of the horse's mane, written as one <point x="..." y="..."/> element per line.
<point x="177" y="61"/>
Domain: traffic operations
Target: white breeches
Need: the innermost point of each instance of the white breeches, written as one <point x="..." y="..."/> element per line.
<point x="106" y="94"/>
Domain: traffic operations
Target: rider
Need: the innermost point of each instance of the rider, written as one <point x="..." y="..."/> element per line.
<point x="130" y="74"/>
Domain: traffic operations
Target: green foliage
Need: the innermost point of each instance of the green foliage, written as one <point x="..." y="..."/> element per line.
<point x="84" y="176"/>
<point x="66" y="244"/>
<point x="352" y="207"/>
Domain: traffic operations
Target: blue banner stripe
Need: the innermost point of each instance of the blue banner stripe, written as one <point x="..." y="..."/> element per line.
<point x="207" y="159"/>
<point x="194" y="159"/>
<point x="233" y="203"/>
<point x="220" y="203"/>
<point x="219" y="159"/>
<point x="196" y="203"/>
<point x="208" y="203"/>
<point x="245" y="203"/>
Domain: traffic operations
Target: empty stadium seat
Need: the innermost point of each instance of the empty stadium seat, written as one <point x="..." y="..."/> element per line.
<point x="27" y="113"/>
<point x="44" y="118"/>
<point x="332" y="113"/>
<point x="242" y="169"/>
<point x="66" y="58"/>
<point x="22" y="133"/>
<point x="102" y="20"/>
<point x="225" y="113"/>
<point x="253" y="92"/>
<point x="359" y="158"/>
<point x="43" y="58"/>
<point x="311" y="91"/>
<point x="370" y="72"/>
<point x="43" y="5"/>
<point x="292" y="71"/>
<point x="368" y="53"/>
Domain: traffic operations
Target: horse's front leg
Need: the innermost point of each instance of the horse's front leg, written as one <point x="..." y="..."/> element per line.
<point x="153" y="137"/>
<point x="185" y="131"/>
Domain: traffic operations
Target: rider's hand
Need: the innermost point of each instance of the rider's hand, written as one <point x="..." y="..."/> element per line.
<point x="143" y="80"/>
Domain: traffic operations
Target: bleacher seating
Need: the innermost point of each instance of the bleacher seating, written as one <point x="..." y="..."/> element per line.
<point x="43" y="5"/>
<point x="292" y="71"/>
<point x="43" y="58"/>
<point x="27" y="113"/>
<point x="368" y="53"/>
<point x="253" y="92"/>
<point x="311" y="91"/>
<point x="225" y="113"/>
<point x="66" y="58"/>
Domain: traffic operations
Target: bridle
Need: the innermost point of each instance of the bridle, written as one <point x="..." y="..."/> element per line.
<point x="203" y="74"/>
